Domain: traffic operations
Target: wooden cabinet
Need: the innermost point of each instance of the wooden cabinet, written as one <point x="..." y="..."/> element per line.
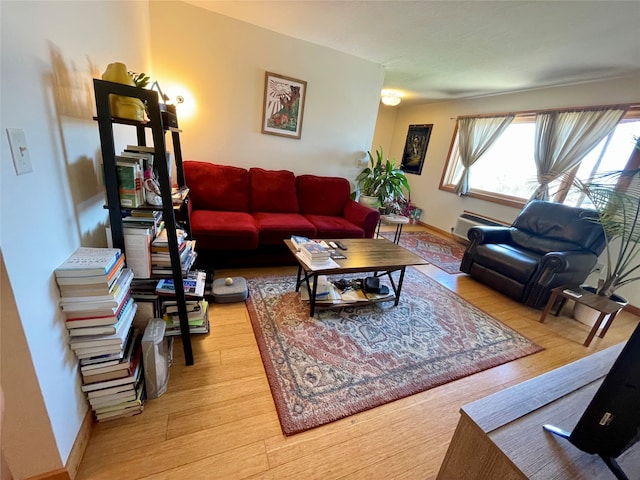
<point x="501" y="436"/>
<point x="159" y="123"/>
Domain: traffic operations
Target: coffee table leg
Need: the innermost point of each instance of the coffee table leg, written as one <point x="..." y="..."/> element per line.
<point x="395" y="304"/>
<point x="312" y="296"/>
<point x="298" y="278"/>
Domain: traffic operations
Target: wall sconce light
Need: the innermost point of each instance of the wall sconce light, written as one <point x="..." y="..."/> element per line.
<point x="390" y="98"/>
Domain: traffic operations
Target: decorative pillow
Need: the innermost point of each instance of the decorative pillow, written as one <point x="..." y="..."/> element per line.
<point x="273" y="191"/>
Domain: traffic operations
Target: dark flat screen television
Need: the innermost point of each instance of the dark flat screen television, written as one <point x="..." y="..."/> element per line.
<point x="611" y="422"/>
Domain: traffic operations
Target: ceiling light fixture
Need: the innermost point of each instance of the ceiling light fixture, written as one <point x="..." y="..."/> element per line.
<point x="390" y="98"/>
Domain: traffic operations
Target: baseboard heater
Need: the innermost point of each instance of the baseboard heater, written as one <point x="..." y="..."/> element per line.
<point x="467" y="219"/>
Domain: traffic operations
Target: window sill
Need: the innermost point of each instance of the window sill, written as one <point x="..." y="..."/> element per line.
<point x="489" y="197"/>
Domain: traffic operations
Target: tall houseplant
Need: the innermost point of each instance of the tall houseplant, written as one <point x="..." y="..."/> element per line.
<point x="383" y="180"/>
<point x="616" y="198"/>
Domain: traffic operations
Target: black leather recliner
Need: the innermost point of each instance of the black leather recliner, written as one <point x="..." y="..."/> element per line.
<point x="548" y="245"/>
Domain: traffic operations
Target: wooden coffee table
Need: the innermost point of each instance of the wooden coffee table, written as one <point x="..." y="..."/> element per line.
<point x="374" y="255"/>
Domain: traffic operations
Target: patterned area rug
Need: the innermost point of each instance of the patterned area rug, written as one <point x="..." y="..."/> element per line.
<point x="444" y="254"/>
<point x="348" y="360"/>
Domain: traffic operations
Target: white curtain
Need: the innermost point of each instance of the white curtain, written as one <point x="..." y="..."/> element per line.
<point x="475" y="136"/>
<point x="562" y="139"/>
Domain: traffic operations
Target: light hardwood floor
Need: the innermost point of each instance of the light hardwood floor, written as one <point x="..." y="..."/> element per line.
<point x="217" y="419"/>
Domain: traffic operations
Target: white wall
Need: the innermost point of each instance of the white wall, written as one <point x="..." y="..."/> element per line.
<point x="50" y="52"/>
<point x="441" y="208"/>
<point x="223" y="61"/>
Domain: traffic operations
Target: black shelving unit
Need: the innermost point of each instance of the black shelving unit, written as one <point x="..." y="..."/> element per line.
<point x="158" y="126"/>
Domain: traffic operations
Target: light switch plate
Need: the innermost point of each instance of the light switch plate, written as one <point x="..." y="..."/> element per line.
<point x="19" y="151"/>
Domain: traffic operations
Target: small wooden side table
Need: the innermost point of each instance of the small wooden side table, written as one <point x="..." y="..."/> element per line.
<point x="602" y="304"/>
<point x="393" y="219"/>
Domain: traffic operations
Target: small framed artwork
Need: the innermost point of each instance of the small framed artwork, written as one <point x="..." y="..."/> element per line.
<point x="283" y="105"/>
<point x="415" y="148"/>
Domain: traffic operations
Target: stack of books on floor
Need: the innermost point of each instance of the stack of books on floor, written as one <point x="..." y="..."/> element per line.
<point x="116" y="388"/>
<point x="196" y="313"/>
<point x="160" y="258"/>
<point x="95" y="290"/>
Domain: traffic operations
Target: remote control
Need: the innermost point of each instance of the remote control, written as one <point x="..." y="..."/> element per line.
<point x="333" y="244"/>
<point x="341" y="246"/>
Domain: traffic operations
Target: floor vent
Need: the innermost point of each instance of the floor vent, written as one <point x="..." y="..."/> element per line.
<point x="466" y="220"/>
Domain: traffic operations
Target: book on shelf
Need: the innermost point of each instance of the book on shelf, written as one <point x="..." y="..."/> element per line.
<point x="128" y="380"/>
<point x="89" y="261"/>
<point x="152" y="150"/>
<point x="161" y="239"/>
<point x="195" y="327"/>
<point x="193" y="307"/>
<point x="193" y="284"/>
<point x="145" y="157"/>
<point x="195" y="314"/>
<point x="78" y="329"/>
<point x="148" y="308"/>
<point x="135" y="172"/>
<point x="137" y="247"/>
<point x="164" y="258"/>
<point x="117" y="338"/>
<point x="129" y="183"/>
<point x="120" y="291"/>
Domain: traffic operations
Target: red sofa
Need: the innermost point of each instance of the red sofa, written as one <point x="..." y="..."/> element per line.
<point x="233" y="208"/>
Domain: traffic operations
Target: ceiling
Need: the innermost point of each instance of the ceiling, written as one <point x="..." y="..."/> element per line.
<point x="440" y="50"/>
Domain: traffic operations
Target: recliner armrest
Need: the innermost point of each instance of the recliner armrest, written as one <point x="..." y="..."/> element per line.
<point x="487" y="234"/>
<point x="579" y="261"/>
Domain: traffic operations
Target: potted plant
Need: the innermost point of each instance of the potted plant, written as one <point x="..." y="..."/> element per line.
<point x="382" y="181"/>
<point x="615" y="196"/>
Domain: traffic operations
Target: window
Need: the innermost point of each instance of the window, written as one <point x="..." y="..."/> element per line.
<point x="506" y="173"/>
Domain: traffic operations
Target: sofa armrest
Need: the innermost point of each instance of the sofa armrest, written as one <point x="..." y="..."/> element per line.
<point x="362" y="216"/>
<point x="487" y="234"/>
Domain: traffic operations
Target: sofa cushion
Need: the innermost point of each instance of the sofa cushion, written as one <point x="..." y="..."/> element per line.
<point x="328" y="226"/>
<point x="217" y="187"/>
<point x="216" y="230"/>
<point x="273" y="191"/>
<point x="562" y="223"/>
<point x="507" y="260"/>
<point x="322" y="195"/>
<point x="273" y="228"/>
<point x="539" y="244"/>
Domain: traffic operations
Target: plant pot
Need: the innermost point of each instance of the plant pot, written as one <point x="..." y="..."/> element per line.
<point x="369" y="201"/>
<point x="588" y="315"/>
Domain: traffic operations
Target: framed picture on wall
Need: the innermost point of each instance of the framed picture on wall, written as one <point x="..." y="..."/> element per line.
<point x="283" y="105"/>
<point x="415" y="148"/>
